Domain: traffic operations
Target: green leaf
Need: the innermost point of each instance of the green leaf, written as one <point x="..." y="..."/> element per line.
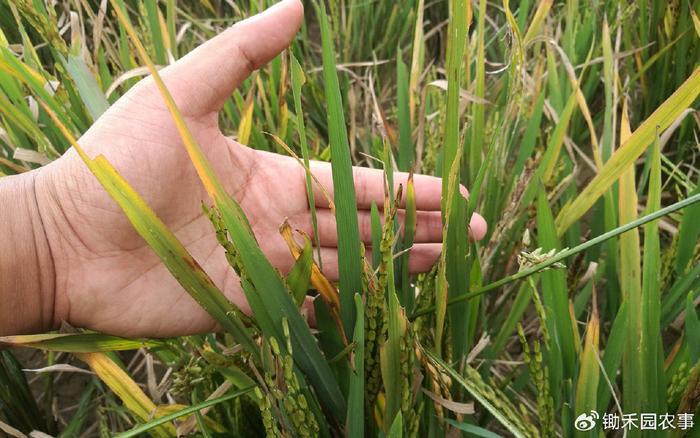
<point x="472" y="429"/>
<point x="396" y="430"/>
<point x="688" y="235"/>
<point x="406" y="150"/>
<point x="612" y="356"/>
<point x="138" y="403"/>
<point x="407" y="290"/>
<point x="376" y="234"/>
<point x="454" y="206"/>
<point x="555" y="292"/>
<point x="93" y="97"/>
<point x="635" y="145"/>
<point x="77" y="422"/>
<point x="692" y="329"/>
<point x="589" y="371"/>
<point x="349" y="260"/>
<point x="300" y="275"/>
<point x="77" y="342"/>
<point x="298" y="79"/>
<point x="651" y="355"/>
<point x="181" y="413"/>
<point x="354" y="424"/>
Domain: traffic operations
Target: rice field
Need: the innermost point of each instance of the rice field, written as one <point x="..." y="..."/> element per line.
<point x="574" y="125"/>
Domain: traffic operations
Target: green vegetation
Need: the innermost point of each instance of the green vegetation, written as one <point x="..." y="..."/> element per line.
<point x="571" y="123"/>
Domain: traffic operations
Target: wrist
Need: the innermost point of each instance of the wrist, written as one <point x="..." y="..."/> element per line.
<point x="27" y="273"/>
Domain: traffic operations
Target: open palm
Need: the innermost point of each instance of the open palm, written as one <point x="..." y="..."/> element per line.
<point x="107" y="278"/>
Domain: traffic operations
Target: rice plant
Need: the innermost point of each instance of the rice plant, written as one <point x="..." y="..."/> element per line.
<point x="574" y="125"/>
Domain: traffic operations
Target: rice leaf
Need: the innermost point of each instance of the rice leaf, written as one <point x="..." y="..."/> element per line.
<point x="692" y="329"/>
<point x="181" y="413"/>
<point x="589" y="373"/>
<point x="355" y="422"/>
<point x="630" y="150"/>
<point x="537" y="21"/>
<point x="453" y="204"/>
<point x="390" y="357"/>
<point x="474" y="149"/>
<point x="406" y="149"/>
<point x="126" y="389"/>
<point x="396" y="429"/>
<point x="299" y="276"/>
<point x="349" y="260"/>
<point x="472" y="429"/>
<point x="298" y="80"/>
<point x="407" y="296"/>
<point x="652" y="357"/>
<point x="612" y="356"/>
<point x="555" y="292"/>
<point x="376" y="234"/>
<point x="77" y="342"/>
<point x="688" y="235"/>
<point x="77" y="422"/>
<point x="630" y="282"/>
<point x="85" y="82"/>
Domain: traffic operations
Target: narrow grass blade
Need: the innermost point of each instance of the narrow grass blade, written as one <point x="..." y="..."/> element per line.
<point x="653" y="371"/>
<point x="630" y="282"/>
<point x="85" y="82"/>
<point x="77" y="423"/>
<point x="153" y="21"/>
<point x="472" y="429"/>
<point x="245" y="126"/>
<point x="417" y="60"/>
<point x="407" y="291"/>
<point x="555" y="292"/>
<point x="390" y="357"/>
<point x="376" y="234"/>
<point x="355" y="422"/>
<point x="349" y="260"/>
<point x="126" y="389"/>
<point x="298" y="80"/>
<point x="299" y="276"/>
<point x="175" y="415"/>
<point x="453" y="204"/>
<point x="406" y="149"/>
<point x="474" y="149"/>
<point x="77" y="343"/>
<point x="537" y="21"/>
<point x="589" y="372"/>
<point x="396" y="429"/>
<point x="612" y="356"/>
<point x="18" y="405"/>
<point x="635" y="145"/>
<point x="688" y="235"/>
<point x="692" y="329"/>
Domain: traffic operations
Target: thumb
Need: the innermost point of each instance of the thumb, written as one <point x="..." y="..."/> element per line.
<point x="207" y="76"/>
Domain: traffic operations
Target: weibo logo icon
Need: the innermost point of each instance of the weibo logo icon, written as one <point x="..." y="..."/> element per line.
<point x="585" y="421"/>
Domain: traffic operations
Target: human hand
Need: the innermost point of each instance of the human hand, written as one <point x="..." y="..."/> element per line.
<point x="108" y="279"/>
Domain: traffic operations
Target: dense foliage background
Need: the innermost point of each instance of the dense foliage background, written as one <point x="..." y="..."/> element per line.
<point x="567" y="119"/>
